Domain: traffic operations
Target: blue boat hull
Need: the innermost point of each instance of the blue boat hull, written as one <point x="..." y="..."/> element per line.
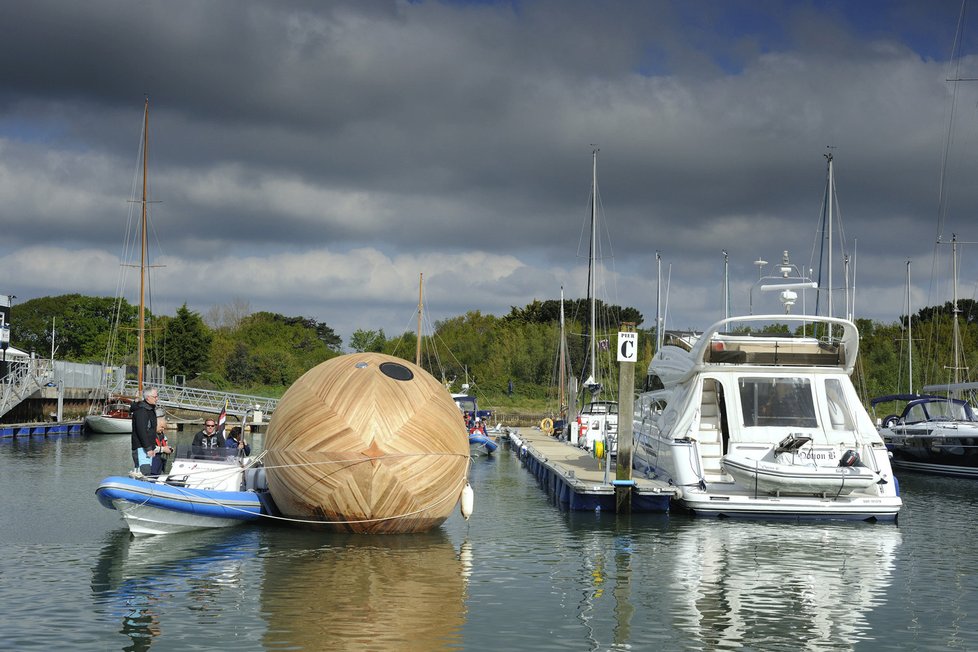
<point x="233" y="505"/>
<point x="480" y="444"/>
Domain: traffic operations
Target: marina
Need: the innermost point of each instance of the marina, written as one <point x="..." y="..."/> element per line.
<point x="519" y="574"/>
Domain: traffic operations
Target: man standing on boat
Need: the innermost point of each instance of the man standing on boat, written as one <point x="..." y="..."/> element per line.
<point x="144" y="425"/>
<point x="208" y="443"/>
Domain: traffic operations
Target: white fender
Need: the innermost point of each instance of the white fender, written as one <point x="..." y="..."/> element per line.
<point x="468" y="498"/>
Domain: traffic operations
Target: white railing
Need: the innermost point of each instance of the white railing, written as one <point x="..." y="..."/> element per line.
<point x="207" y="400"/>
<point x="24" y="377"/>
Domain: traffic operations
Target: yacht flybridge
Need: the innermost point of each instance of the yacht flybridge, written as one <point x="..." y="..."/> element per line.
<point x="757" y="424"/>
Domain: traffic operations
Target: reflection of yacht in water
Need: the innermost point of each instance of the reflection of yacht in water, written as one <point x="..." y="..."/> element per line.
<point x="737" y="583"/>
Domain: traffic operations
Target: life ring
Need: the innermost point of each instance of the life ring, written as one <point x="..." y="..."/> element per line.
<point x="890" y="421"/>
<point x="599" y="449"/>
<point x="547" y="425"/>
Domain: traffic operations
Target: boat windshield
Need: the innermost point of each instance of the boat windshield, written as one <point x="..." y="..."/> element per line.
<point x="465" y="403"/>
<point x="940" y="410"/>
<point x="600" y="408"/>
<point x="777" y="402"/>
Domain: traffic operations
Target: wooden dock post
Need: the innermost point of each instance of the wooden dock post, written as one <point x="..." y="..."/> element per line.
<point x="627" y="353"/>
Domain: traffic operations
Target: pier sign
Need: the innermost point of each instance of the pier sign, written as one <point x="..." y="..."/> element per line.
<point x="627" y="346"/>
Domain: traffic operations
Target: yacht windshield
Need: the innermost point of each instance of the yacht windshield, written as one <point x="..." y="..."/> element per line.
<point x="777" y="402"/>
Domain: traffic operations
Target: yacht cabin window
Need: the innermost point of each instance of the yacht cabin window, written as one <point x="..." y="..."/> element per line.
<point x="915" y="414"/>
<point x="781" y="402"/>
<point x="840" y="418"/>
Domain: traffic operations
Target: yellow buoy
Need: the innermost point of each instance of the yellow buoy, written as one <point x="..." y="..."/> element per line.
<point x="599" y="449"/>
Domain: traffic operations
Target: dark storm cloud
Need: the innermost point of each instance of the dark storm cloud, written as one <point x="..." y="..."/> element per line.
<point x="336" y="150"/>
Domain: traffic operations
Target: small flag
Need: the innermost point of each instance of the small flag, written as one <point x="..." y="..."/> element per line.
<point x="223" y="418"/>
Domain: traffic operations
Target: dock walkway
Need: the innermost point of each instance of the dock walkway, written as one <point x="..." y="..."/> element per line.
<point x="576" y="480"/>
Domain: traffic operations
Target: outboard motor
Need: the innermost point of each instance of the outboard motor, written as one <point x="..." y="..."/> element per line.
<point x="849" y="458"/>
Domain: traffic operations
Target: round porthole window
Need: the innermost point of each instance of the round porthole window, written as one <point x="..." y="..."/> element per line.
<point x="396" y="371"/>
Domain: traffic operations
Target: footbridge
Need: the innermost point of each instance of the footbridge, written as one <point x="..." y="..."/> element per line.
<point x="180" y="397"/>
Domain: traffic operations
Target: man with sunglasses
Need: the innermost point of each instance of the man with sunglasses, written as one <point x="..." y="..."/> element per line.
<point x="208" y="443"/>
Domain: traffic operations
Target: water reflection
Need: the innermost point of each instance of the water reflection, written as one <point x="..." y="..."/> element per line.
<point x="796" y="587"/>
<point x="135" y="579"/>
<point x="403" y="592"/>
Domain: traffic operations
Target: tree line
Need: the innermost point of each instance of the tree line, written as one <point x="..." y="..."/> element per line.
<point x="233" y="347"/>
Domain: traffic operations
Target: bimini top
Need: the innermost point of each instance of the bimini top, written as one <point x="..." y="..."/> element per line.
<point x="719" y="347"/>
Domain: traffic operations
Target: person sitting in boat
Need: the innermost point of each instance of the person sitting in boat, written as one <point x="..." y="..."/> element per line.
<point x="208" y="443"/>
<point x="144" y="423"/>
<point x="236" y="441"/>
<point x="162" y="448"/>
<point x="478" y="426"/>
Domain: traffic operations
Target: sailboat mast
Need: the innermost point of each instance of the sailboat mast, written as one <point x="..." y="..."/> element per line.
<point x="955" y="311"/>
<point x="830" y="195"/>
<point x="417" y="352"/>
<point x="909" y="332"/>
<point x="591" y="268"/>
<point x="561" y="384"/>
<point x="658" y="303"/>
<point x="142" y="257"/>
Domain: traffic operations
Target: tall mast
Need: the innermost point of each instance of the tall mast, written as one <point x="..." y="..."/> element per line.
<point x="830" y="196"/>
<point x="591" y="269"/>
<point x="726" y="286"/>
<point x="909" y="331"/>
<point x="417" y="352"/>
<point x="658" y="302"/>
<point x="142" y="258"/>
<point x="955" y="310"/>
<point x="562" y="390"/>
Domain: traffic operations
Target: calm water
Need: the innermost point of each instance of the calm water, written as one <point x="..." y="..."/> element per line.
<point x="519" y="575"/>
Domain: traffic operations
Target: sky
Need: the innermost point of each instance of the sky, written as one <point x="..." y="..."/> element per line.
<point x="314" y="158"/>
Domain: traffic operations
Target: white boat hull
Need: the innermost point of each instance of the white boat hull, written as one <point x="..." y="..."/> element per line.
<point x="145" y="520"/>
<point x="108" y="425"/>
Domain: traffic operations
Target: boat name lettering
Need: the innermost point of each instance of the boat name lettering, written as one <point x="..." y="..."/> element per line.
<point x="818" y="455"/>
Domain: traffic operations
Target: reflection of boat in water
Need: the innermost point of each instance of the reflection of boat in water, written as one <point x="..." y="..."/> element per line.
<point x="738" y="582"/>
<point x="135" y="580"/>
<point x="334" y="591"/>
<point x="194" y="495"/>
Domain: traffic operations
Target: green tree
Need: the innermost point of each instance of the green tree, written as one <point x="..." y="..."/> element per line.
<point x="188" y="342"/>
<point x="363" y="340"/>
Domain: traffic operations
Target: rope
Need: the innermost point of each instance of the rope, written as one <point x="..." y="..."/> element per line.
<point x="371" y="520"/>
<point x="186" y="492"/>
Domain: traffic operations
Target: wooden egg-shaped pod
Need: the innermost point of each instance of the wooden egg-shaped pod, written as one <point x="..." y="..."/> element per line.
<point x="367" y="442"/>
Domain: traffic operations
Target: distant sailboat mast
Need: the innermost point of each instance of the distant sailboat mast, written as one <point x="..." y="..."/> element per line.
<point x="562" y="388"/>
<point x="417" y="351"/>
<point x="909" y="333"/>
<point x="591" y="285"/>
<point x="142" y="260"/>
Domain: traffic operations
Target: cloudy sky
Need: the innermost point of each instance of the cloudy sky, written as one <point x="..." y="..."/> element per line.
<point x="313" y="158"/>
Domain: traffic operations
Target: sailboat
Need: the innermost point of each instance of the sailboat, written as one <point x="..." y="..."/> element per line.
<point x="596" y="425"/>
<point x="937" y="431"/>
<point x="111" y="414"/>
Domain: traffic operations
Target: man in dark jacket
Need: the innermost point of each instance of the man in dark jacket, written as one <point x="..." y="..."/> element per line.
<point x="208" y="443"/>
<point x="144" y="430"/>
